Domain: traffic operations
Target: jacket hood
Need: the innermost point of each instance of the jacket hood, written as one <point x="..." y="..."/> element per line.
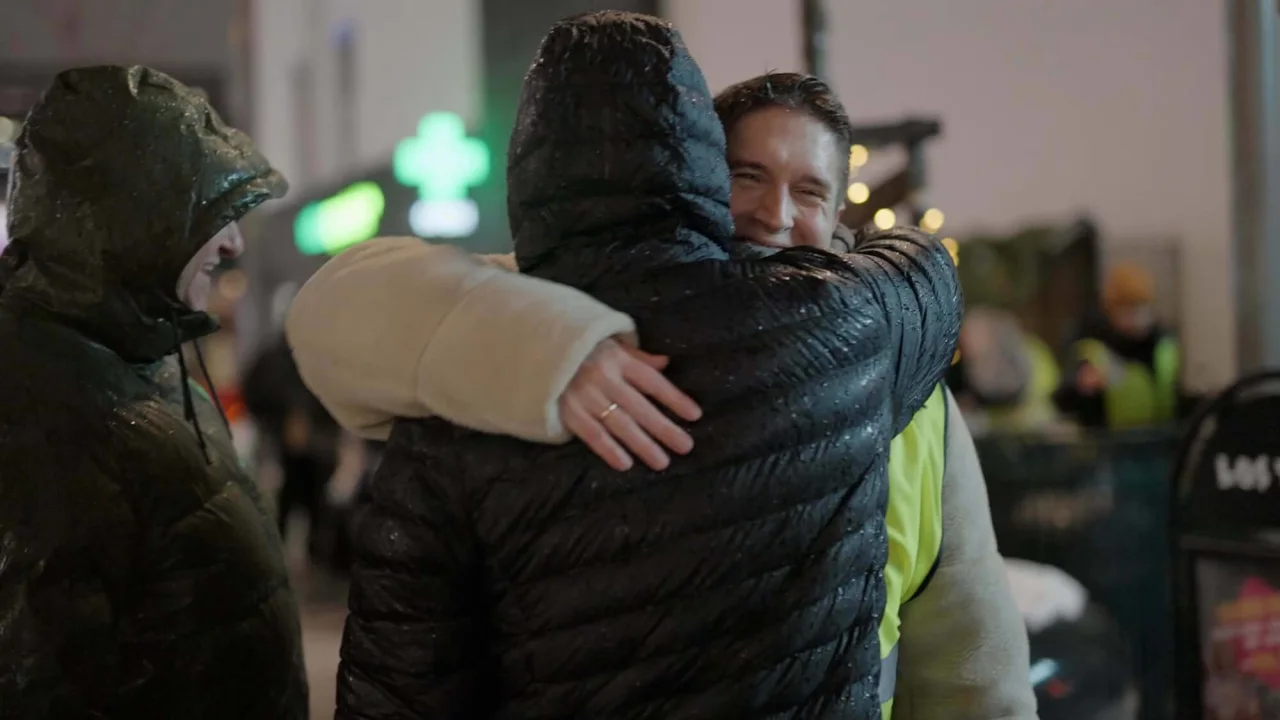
<point x="617" y="159"/>
<point x="121" y="175"/>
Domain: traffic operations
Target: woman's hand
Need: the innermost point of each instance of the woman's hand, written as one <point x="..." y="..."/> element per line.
<point x="605" y="406"/>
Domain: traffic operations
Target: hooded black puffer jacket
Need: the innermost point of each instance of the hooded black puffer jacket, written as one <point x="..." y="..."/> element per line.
<point x="139" y="576"/>
<point x="498" y="579"/>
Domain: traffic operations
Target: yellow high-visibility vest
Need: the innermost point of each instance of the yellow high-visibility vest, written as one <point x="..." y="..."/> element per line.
<point x="913" y="523"/>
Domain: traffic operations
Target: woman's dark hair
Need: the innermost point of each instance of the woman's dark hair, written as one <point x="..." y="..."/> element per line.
<point x="790" y="90"/>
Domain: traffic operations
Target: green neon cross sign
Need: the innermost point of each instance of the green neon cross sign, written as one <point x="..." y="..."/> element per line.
<point x="441" y="161"/>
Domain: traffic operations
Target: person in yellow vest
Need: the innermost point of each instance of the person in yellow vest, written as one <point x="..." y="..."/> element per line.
<point x="396" y="327"/>
<point x="1127" y="370"/>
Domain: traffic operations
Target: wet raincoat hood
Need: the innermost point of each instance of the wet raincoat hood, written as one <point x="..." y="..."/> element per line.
<point x="580" y="186"/>
<point x="121" y="175"/>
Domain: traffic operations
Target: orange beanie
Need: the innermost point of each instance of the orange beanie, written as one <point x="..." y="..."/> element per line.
<point x="1127" y="286"/>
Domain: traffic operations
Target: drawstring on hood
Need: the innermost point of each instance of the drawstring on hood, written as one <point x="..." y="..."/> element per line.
<point x="189" y="405"/>
<point x="213" y="391"/>
<point x="188" y="400"/>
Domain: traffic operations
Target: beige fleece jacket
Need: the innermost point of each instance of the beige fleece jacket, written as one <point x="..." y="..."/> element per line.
<point x="396" y="327"/>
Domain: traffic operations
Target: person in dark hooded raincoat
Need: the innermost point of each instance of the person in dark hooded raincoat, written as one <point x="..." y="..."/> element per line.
<point x="495" y="578"/>
<point x="139" y="574"/>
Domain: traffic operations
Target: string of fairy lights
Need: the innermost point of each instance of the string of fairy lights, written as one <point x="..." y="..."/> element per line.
<point x="859" y="192"/>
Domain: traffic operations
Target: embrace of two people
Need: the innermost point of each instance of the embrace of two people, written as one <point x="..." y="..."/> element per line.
<point x="806" y="534"/>
<point x="810" y="538"/>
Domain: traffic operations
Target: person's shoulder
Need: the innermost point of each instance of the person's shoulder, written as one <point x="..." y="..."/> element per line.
<point x="44" y="355"/>
<point x="829" y="280"/>
<point x="55" y="386"/>
<point x="799" y="265"/>
<point x="64" y="472"/>
<point x="743" y="297"/>
<point x="103" y="421"/>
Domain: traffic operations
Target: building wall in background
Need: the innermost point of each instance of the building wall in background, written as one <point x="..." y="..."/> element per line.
<point x="1049" y="109"/>
<point x="193" y="42"/>
<point x="512" y="32"/>
<point x="736" y="39"/>
<point x="165" y="33"/>
<point x="409" y="57"/>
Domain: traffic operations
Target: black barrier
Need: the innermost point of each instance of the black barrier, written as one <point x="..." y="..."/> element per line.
<point x="1226" y="511"/>
<point x="1098" y="509"/>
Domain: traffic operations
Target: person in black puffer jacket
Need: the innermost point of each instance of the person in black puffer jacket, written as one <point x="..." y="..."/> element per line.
<point x="299" y="432"/>
<point x="140" y="576"/>
<point x="495" y="578"/>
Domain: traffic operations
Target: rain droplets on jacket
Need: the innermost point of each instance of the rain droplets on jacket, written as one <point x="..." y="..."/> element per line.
<point x="139" y="575"/>
<point x="499" y="579"/>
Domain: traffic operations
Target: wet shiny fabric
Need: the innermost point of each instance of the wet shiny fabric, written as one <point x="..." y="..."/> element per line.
<point x="498" y="579"/>
<point x="139" y="575"/>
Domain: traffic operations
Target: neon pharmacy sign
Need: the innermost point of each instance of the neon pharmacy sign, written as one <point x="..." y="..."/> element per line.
<point x="441" y="162"/>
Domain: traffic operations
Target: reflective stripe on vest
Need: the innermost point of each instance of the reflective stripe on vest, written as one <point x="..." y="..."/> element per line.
<point x="889" y="675"/>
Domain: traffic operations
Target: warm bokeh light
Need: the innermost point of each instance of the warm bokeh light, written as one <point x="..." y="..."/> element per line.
<point x="858" y="156"/>
<point x="952" y="247"/>
<point x="932" y="220"/>
<point x="885" y="218"/>
<point x="858" y="193"/>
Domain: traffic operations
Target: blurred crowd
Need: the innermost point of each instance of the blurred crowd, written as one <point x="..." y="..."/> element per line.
<point x="1121" y="372"/>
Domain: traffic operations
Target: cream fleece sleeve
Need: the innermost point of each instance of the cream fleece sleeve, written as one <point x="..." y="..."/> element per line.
<point x="964" y="645"/>
<point x="396" y="327"/>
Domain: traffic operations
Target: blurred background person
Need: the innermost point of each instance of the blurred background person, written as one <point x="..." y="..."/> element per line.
<point x="299" y="435"/>
<point x="1127" y="370"/>
<point x="1004" y="377"/>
